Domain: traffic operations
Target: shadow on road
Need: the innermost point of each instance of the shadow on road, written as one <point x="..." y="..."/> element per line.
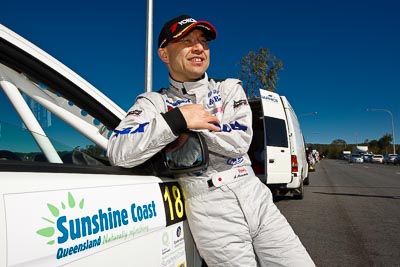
<point x="283" y="198"/>
<point x="357" y="195"/>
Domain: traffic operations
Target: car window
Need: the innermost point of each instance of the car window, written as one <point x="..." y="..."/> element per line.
<point x="18" y="142"/>
<point x="276" y="133"/>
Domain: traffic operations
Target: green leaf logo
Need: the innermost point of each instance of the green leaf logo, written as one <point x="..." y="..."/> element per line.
<point x="49" y="231"/>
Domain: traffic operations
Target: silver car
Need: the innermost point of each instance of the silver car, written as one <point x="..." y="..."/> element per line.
<point x="356" y="158"/>
<point x="389" y="158"/>
<point x="377" y="158"/>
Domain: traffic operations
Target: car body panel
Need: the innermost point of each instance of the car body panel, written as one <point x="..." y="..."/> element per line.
<point x="132" y="210"/>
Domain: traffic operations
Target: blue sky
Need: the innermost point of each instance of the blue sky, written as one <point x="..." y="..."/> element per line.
<point x="339" y="57"/>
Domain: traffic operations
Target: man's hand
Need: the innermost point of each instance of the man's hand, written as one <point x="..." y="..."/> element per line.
<point x="198" y="118"/>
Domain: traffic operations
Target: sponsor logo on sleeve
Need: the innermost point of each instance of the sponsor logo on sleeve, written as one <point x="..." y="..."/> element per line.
<point x="132" y="130"/>
<point x="135" y="112"/>
<point x="239" y="103"/>
<point x="234" y="126"/>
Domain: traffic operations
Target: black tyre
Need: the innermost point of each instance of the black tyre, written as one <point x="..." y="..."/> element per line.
<point x="299" y="193"/>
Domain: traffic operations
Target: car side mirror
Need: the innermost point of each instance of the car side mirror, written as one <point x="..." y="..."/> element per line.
<point x="187" y="154"/>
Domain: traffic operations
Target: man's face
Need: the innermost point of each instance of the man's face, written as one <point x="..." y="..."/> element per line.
<point x="187" y="59"/>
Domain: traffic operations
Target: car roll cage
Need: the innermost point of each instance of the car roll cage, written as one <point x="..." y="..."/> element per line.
<point x="27" y="70"/>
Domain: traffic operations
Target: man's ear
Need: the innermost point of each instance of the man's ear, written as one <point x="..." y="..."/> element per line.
<point x="163" y="55"/>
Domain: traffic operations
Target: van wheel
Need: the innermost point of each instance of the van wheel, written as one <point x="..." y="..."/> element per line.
<point x="307" y="181"/>
<point x="299" y="192"/>
<point x="283" y="192"/>
<point x="274" y="192"/>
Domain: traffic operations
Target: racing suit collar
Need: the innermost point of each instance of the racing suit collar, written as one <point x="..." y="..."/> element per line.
<point x="188" y="87"/>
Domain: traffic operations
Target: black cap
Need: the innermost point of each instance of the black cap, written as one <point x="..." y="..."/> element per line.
<point x="178" y="27"/>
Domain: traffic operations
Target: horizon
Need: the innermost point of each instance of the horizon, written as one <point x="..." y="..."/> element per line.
<point x="339" y="59"/>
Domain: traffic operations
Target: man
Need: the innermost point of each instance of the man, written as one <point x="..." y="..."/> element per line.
<point x="231" y="214"/>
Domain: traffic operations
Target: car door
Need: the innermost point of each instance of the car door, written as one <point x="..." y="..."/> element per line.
<point x="277" y="155"/>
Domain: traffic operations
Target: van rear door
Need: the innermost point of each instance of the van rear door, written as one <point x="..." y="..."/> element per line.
<point x="276" y="139"/>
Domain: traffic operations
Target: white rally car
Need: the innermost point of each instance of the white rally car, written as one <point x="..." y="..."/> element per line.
<point x="62" y="202"/>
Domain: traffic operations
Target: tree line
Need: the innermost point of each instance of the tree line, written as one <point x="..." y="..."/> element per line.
<point x="334" y="150"/>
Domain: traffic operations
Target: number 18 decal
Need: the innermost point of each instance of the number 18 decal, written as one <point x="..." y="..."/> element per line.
<point x="173" y="202"/>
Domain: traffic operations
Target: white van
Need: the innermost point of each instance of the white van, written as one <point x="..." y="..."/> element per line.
<point x="278" y="149"/>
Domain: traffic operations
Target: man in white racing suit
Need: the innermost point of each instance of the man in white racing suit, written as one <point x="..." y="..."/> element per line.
<point x="230" y="212"/>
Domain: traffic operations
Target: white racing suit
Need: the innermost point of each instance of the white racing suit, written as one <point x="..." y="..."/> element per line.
<point x="230" y="212"/>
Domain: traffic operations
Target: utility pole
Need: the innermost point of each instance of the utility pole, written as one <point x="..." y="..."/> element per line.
<point x="149" y="48"/>
<point x="391" y="116"/>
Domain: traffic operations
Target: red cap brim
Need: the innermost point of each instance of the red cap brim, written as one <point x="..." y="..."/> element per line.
<point x="205" y="26"/>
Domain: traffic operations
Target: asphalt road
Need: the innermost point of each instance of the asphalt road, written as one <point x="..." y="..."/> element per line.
<point x="350" y="214"/>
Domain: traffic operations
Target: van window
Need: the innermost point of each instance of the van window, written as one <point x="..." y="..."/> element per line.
<point x="275" y="132"/>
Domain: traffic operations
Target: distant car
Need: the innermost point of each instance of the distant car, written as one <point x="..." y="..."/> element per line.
<point x="368" y="157"/>
<point x="389" y="158"/>
<point x="346" y="157"/>
<point x="377" y="158"/>
<point x="356" y="158"/>
<point x="397" y="160"/>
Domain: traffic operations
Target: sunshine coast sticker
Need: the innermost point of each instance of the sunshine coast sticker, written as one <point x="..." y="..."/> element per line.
<point x="53" y="228"/>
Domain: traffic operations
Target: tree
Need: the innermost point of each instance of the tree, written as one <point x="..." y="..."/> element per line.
<point x="339" y="142"/>
<point x="336" y="148"/>
<point x="259" y="70"/>
<point x="373" y="146"/>
<point x="384" y="142"/>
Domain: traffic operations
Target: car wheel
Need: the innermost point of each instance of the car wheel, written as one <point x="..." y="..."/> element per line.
<point x="299" y="192"/>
